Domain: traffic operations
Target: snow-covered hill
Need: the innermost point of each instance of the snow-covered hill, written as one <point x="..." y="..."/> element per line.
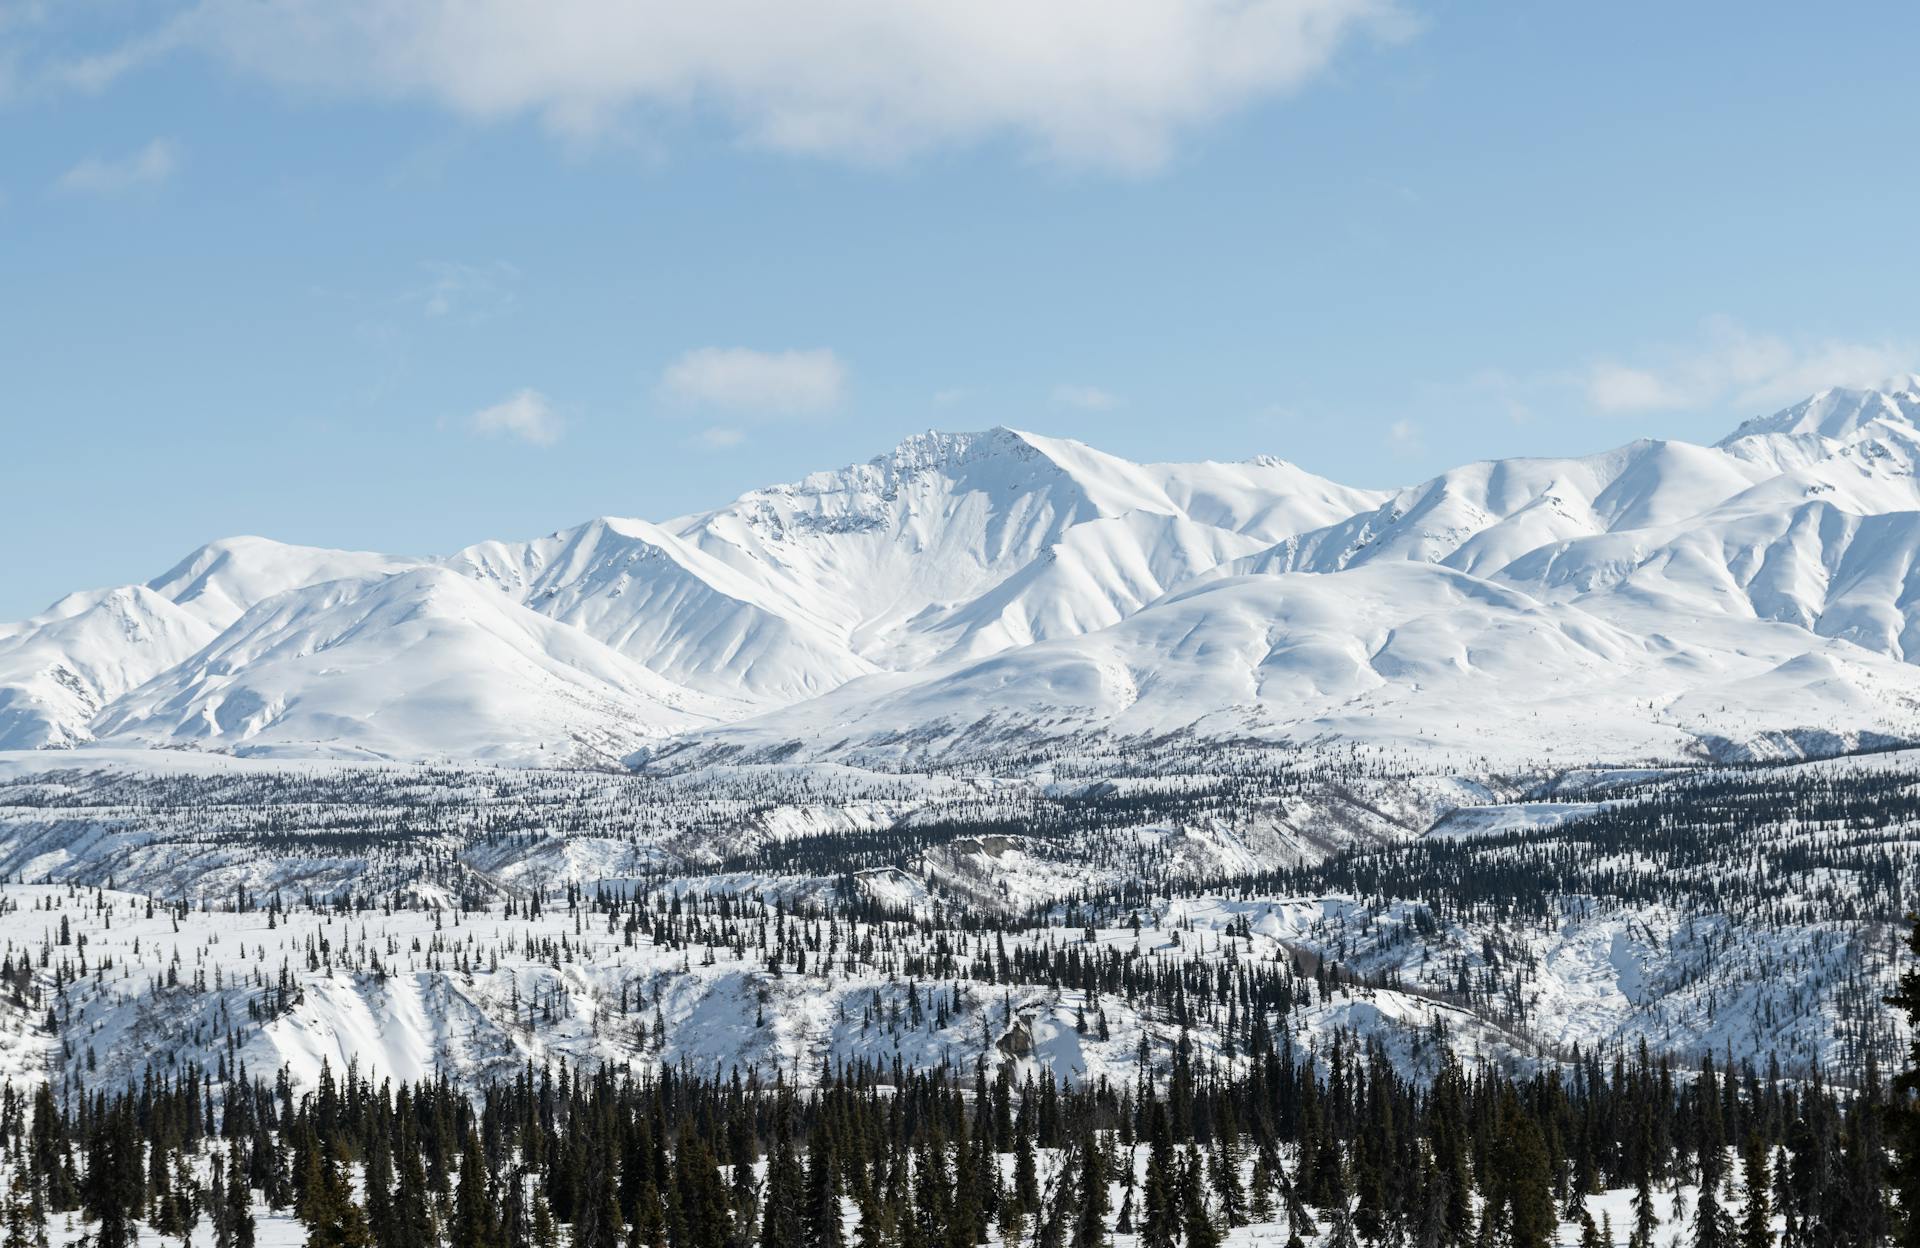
<point x="1645" y="602"/>
<point x="421" y="663"/>
<point x="1410" y="655"/>
<point x="61" y="668"/>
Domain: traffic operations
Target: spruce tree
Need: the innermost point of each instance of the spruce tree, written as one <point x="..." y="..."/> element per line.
<point x="412" y="1218"/>
<point x="1260" y="1207"/>
<point x="26" y="1227"/>
<point x="1090" y="1217"/>
<point x="1195" y="1220"/>
<point x="476" y="1222"/>
<point x="1903" y="1115"/>
<point x="1531" y="1217"/>
<point x="331" y="1217"/>
<point x="1227" y="1187"/>
<point x="871" y="1230"/>
<point x="1756" y="1217"/>
<point x="782" y="1225"/>
<point x="1160" y="1225"/>
<point x="1026" y="1173"/>
<point x="238" y="1198"/>
<point x="823" y="1223"/>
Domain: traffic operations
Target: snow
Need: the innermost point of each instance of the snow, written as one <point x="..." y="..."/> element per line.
<point x="420" y="663"/>
<point x="1645" y="603"/>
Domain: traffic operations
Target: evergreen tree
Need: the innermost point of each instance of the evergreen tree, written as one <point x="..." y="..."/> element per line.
<point x="1646" y="1219"/>
<point x="1527" y="1183"/>
<point x="328" y="1210"/>
<point x="1756" y="1217"/>
<point x="1026" y="1173"/>
<point x="1227" y="1187"/>
<point x="1161" y="1216"/>
<point x="412" y="1223"/>
<point x="26" y="1226"/>
<point x="476" y="1222"/>
<point x="1260" y="1207"/>
<point x="1194" y="1218"/>
<point x="238" y="1202"/>
<point x="1712" y="1227"/>
<point x="783" y="1225"/>
<point x="871" y="1231"/>
<point x="1090" y="1217"/>
<point x="824" y="1228"/>
<point x="1904" y="1110"/>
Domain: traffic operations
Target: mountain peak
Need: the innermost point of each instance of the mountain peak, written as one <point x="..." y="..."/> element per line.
<point x="1839" y="412"/>
<point x="220" y="580"/>
<point x="936" y="449"/>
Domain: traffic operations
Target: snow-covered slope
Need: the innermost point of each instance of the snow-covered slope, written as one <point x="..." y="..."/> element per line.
<point x="1815" y="424"/>
<point x="222" y="579"/>
<point x="415" y="664"/>
<point x="1479" y="517"/>
<point x="1610" y="602"/>
<point x="951" y="545"/>
<point x="60" y="668"/>
<point x="663" y="603"/>
<point x="1408" y="655"/>
<point x="895" y="556"/>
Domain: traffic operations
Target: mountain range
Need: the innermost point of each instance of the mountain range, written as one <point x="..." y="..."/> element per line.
<point x="970" y="593"/>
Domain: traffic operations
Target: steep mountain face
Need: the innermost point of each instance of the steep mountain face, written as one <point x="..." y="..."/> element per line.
<point x="973" y="588"/>
<point x="951" y="546"/>
<point x="663" y="603"/>
<point x="1831" y="416"/>
<point x="894" y="556"/>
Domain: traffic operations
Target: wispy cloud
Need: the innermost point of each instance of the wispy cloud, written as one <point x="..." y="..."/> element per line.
<point x="1112" y="83"/>
<point x="472" y="292"/>
<point x="1086" y="398"/>
<point x="151" y="165"/>
<point x="765" y="382"/>
<point x="1404" y="438"/>
<point x="525" y="414"/>
<point x="717" y="438"/>
<point x="1733" y="366"/>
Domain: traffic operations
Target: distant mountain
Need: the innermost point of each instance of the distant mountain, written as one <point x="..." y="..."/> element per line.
<point x="60" y="669"/>
<point x="968" y="590"/>
<point x="422" y="663"/>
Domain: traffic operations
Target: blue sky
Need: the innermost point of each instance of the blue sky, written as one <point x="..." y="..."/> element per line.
<point x="325" y="274"/>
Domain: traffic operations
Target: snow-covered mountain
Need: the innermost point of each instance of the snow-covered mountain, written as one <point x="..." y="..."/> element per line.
<point x="60" y="669"/>
<point x="965" y="589"/>
<point x="419" y="663"/>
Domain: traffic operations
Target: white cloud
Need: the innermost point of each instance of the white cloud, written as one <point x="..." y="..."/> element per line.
<point x="1404" y="437"/>
<point x="150" y="166"/>
<point x="525" y="414"/>
<point x="769" y="382"/>
<point x="1733" y="367"/>
<point x="1086" y="398"/>
<point x="1103" y="82"/>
